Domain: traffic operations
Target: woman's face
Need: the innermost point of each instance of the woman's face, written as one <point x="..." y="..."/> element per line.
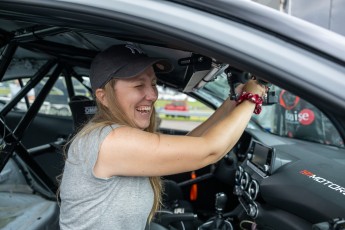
<point x="136" y="97"/>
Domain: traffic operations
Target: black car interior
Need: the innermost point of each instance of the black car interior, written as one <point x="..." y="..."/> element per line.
<point x="239" y="190"/>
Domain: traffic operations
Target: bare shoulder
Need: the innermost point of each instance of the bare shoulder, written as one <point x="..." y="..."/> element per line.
<point x="129" y="140"/>
<point x="125" y="133"/>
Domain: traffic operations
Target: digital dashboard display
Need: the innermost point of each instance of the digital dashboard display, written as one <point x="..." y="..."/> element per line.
<point x="262" y="157"/>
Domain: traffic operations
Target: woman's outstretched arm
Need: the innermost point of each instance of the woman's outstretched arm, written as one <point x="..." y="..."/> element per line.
<point x="132" y="152"/>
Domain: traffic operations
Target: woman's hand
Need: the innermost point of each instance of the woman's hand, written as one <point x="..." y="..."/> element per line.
<point x="239" y="89"/>
<point x="252" y="86"/>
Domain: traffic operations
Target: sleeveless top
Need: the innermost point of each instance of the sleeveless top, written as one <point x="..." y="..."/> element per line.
<point x="90" y="202"/>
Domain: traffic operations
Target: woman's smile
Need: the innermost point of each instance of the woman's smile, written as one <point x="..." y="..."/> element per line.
<point x="136" y="97"/>
<point x="144" y="109"/>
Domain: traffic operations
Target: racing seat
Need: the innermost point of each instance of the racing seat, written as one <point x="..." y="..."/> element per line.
<point x="82" y="109"/>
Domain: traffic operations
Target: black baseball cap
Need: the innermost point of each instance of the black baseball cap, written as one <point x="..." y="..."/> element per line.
<point x="123" y="61"/>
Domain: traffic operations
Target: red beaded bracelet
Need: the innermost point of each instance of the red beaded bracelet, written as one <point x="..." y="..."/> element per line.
<point x="255" y="98"/>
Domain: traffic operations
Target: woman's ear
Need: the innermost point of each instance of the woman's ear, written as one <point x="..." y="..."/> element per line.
<point x="100" y="95"/>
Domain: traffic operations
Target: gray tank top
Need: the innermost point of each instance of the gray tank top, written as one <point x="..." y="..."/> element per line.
<point x="89" y="202"/>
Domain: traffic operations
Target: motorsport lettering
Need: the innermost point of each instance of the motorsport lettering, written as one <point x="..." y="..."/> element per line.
<point x="323" y="181"/>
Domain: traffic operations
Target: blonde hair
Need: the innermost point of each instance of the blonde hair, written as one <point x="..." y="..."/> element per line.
<point x="115" y="115"/>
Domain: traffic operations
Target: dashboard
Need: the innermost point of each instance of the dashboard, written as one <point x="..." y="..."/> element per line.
<point x="288" y="182"/>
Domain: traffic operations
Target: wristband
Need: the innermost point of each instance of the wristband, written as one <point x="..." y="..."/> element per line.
<point x="254" y="98"/>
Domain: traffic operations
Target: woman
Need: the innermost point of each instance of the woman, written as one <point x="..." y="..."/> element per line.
<point x="111" y="177"/>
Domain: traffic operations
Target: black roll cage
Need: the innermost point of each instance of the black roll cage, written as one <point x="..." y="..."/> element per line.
<point x="59" y="64"/>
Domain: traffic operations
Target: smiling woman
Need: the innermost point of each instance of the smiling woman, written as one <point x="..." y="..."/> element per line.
<point x="124" y="85"/>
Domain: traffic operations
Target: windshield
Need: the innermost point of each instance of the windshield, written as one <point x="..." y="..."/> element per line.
<point x="290" y="116"/>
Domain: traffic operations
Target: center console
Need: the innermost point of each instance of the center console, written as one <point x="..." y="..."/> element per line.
<point x="259" y="165"/>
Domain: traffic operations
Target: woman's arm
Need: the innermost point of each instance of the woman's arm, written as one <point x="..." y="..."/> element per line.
<point x="131" y="152"/>
<point x="218" y="115"/>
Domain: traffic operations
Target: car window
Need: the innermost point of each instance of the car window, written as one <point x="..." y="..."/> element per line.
<point x="296" y="118"/>
<point x="290" y="116"/>
<point x="9" y="89"/>
<point x="58" y="97"/>
<point x="178" y="111"/>
<point x="56" y="102"/>
<point x="80" y="89"/>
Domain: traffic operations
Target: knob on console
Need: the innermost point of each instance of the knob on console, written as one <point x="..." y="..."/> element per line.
<point x="253" y="189"/>
<point x="238" y="175"/>
<point x="244" y="181"/>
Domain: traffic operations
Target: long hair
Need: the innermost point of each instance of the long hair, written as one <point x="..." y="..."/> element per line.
<point x="113" y="114"/>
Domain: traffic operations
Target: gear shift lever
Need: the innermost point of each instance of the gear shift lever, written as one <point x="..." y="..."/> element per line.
<point x="220" y="203"/>
<point x="218" y="222"/>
